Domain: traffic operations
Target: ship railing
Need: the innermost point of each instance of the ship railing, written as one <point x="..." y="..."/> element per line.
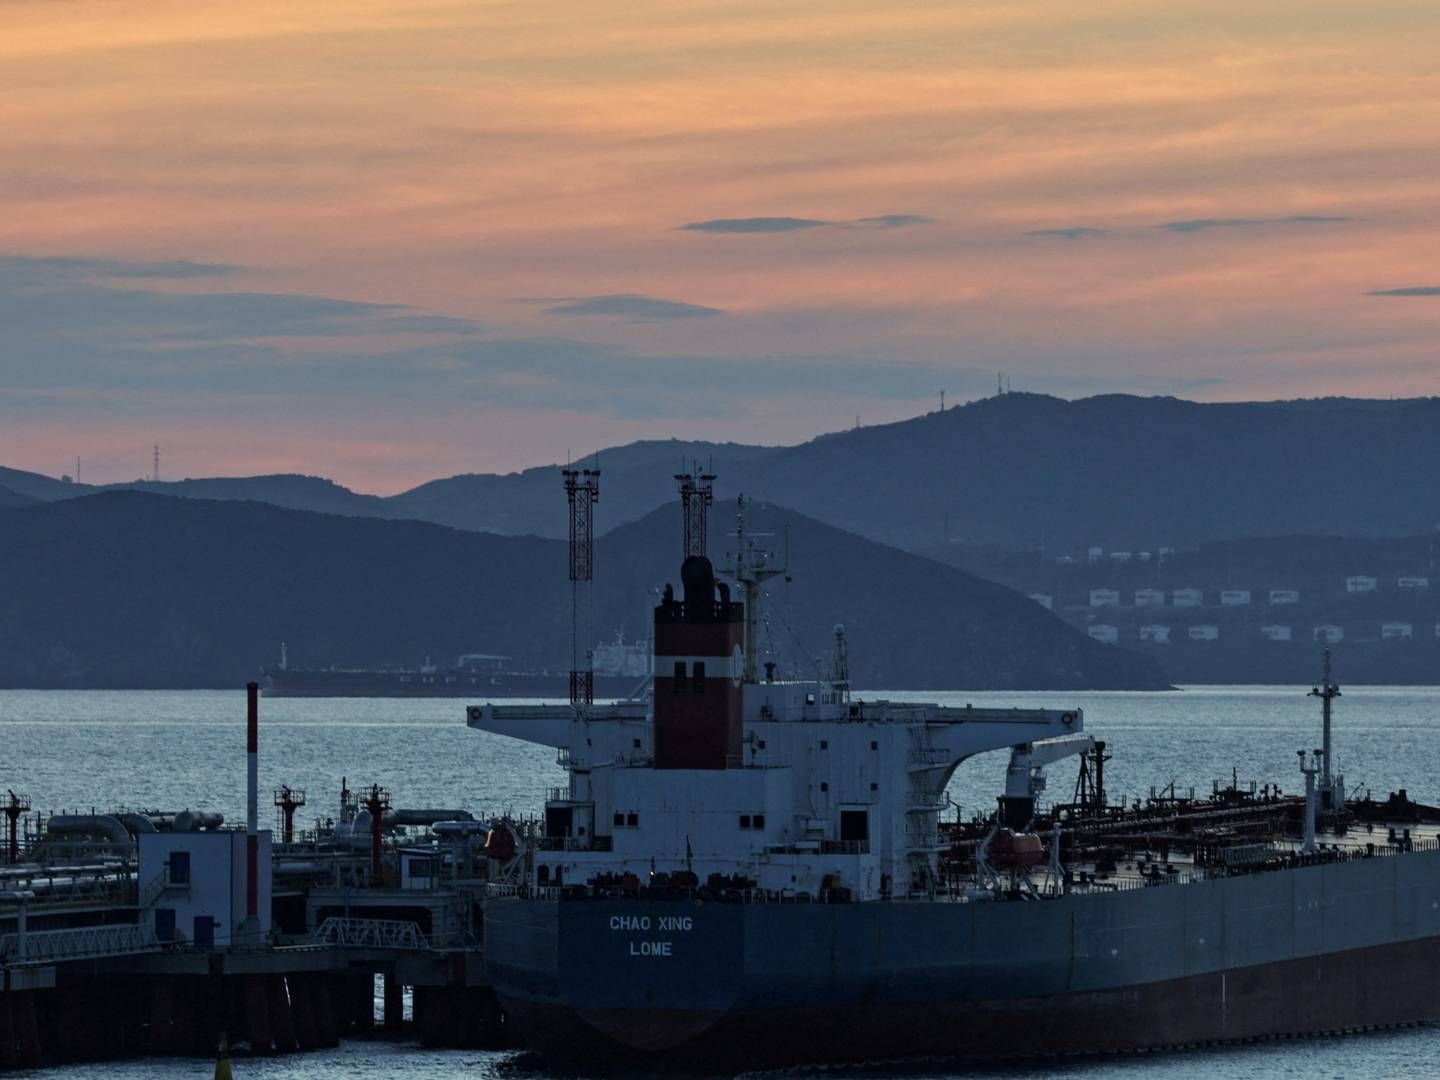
<point x="531" y="892"/>
<point x="371" y="934"/>
<point x="77" y="943"/>
<point x="575" y="843"/>
<point x="1281" y="860"/>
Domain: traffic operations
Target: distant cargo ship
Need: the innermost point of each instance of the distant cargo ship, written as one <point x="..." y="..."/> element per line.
<point x="620" y="667"/>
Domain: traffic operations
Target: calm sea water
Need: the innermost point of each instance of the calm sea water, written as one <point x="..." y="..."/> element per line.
<point x="172" y="750"/>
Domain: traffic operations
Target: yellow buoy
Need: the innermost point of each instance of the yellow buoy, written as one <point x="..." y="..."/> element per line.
<point x="222" y="1062"/>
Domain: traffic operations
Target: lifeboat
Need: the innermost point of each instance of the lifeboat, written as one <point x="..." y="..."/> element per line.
<point x="1010" y="848"/>
<point x="500" y="843"/>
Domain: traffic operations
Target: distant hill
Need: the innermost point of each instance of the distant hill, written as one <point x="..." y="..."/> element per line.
<point x="1024" y="470"/>
<point x="1249" y="611"/>
<point x="1015" y="471"/>
<point x="38" y="486"/>
<point x="289" y="490"/>
<point x="9" y="500"/>
<point x="635" y="479"/>
<point x="129" y="589"/>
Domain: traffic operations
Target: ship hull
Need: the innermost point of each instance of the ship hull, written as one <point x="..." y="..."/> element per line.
<point x="1336" y="947"/>
<point x="440" y="684"/>
<point x="1358" y="990"/>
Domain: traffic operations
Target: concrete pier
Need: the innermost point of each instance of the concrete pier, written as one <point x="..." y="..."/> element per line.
<point x="95" y="1013"/>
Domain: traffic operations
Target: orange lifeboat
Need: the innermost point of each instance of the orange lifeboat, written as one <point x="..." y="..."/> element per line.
<point x="1015" y="849"/>
<point x="500" y="843"/>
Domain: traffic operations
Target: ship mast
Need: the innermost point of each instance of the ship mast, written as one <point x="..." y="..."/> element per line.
<point x="750" y="567"/>
<point x="1327" y="692"/>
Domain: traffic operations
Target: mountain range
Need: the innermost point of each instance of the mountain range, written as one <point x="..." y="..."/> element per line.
<point x="1020" y="471"/>
<point x="132" y="589"/>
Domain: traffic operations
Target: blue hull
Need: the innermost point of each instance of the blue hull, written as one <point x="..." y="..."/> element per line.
<point x="678" y="983"/>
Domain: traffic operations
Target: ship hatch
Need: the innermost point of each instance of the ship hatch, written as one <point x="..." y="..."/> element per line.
<point x="854" y="826"/>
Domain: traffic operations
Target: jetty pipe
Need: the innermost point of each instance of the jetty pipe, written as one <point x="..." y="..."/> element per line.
<point x="195" y="820"/>
<point x="137" y="823"/>
<point x="425" y="817"/>
<point x="106" y="825"/>
<point x="252" y="801"/>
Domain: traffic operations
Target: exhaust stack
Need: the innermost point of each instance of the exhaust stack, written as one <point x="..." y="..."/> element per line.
<point x="252" y="808"/>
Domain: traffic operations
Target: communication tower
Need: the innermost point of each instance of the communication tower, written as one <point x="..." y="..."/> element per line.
<point x="155" y="460"/>
<point x="582" y="492"/>
<point x="697" y="492"/>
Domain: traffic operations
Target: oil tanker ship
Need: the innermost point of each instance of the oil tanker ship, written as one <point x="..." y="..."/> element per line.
<point x="620" y="668"/>
<point x="746" y="872"/>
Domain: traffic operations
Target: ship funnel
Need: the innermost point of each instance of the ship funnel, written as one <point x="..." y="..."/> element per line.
<point x="698" y="578"/>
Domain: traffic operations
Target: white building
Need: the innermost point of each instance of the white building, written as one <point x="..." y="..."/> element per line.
<point x="1104" y="598"/>
<point x="1045" y="600"/>
<point x="1160" y="635"/>
<point x="1204" y="632"/>
<point x="1119" y="556"/>
<point x="1329" y="633"/>
<point x="1095" y="554"/>
<point x="1360" y="583"/>
<point x="1187" y="598"/>
<point x="1149" y="597"/>
<point x="1284" y="596"/>
<point x="1413" y="583"/>
<point x="1235" y="597"/>
<point x="1275" y="632"/>
<point x="1395" y="631"/>
<point x="198" y="883"/>
<point x="1104" y="632"/>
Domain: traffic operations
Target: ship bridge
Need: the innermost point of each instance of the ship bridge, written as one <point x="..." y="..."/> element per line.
<point x="820" y="793"/>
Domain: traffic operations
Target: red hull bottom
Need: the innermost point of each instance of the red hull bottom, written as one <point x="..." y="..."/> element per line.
<point x="1383" y="986"/>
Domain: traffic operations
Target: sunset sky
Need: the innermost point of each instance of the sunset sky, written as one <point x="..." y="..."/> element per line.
<point x="385" y="242"/>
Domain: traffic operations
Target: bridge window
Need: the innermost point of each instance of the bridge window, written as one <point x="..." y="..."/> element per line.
<point x="619" y="820"/>
<point x="759" y="821"/>
<point x="678" y="686"/>
<point x="744" y="821"/>
<point x="699" y="676"/>
<point x="632" y="821"/>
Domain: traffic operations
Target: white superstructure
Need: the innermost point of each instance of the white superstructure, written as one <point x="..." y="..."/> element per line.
<point x="787" y="787"/>
<point x="829" y="793"/>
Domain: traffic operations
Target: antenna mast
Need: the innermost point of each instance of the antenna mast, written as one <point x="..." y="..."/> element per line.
<point x="1327" y="692"/>
<point x="155" y="474"/>
<point x="696" y="494"/>
<point x="750" y="566"/>
<point x="582" y="492"/>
